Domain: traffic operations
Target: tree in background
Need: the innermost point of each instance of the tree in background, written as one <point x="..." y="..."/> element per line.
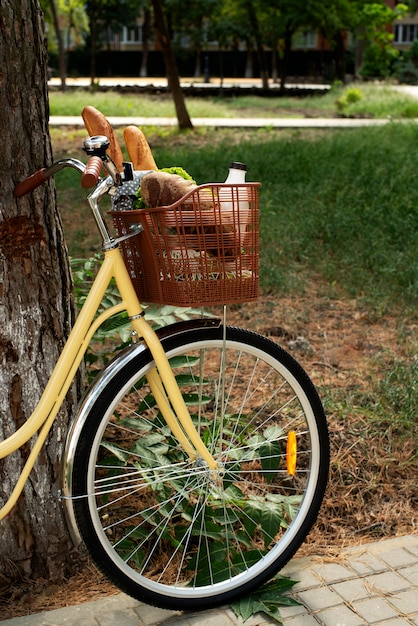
<point x="263" y="25"/>
<point x="36" y="309"/>
<point x="193" y="25"/>
<point x="228" y="26"/>
<point x="62" y="64"/>
<point x="251" y="9"/>
<point x="293" y="16"/>
<point x="378" y="54"/>
<point x="333" y="19"/>
<point x="173" y="78"/>
<point x="271" y="28"/>
<point x="70" y="27"/>
<point x="104" y="16"/>
<point x="146" y="33"/>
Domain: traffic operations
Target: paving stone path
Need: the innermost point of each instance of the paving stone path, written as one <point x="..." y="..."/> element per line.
<point x="374" y="584"/>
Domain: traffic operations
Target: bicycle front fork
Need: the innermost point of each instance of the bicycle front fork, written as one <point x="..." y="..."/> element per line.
<point x="167" y="394"/>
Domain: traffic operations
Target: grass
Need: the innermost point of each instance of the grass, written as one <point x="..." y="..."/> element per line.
<point x="377" y="101"/>
<point x="340" y="204"/>
<point x="397" y="397"/>
<point x="383" y="102"/>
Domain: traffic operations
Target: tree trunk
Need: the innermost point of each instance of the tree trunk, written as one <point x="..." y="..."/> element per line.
<point x="339" y="56"/>
<point x="287" y="48"/>
<point x="274" y="63"/>
<point x="35" y="303"/>
<point x="173" y="79"/>
<point x="93" y="49"/>
<point x="359" y="52"/>
<point x="249" y="66"/>
<point x="198" y="63"/>
<point x="61" y="51"/>
<point x="259" y="45"/>
<point x="146" y="27"/>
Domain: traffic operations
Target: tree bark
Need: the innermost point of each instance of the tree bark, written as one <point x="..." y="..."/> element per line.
<point x="61" y="52"/>
<point x="93" y="45"/>
<point x="287" y="47"/>
<point x="249" y="66"/>
<point x="259" y="45"/>
<point x="359" y="52"/>
<point x="173" y="79"/>
<point x="35" y="302"/>
<point x="339" y="56"/>
<point x="145" y="42"/>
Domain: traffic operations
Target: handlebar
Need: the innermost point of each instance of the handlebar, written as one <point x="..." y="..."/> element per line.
<point x="91" y="174"/>
<point x="30" y="183"/>
<point x="96" y="147"/>
<point x="42" y="175"/>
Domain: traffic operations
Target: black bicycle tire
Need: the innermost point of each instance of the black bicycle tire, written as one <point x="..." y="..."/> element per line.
<point x="81" y="507"/>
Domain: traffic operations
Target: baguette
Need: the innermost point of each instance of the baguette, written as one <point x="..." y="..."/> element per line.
<point x="96" y="124"/>
<point x="138" y="149"/>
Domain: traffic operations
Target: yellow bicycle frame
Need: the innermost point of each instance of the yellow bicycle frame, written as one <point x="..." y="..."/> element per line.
<point x="161" y="378"/>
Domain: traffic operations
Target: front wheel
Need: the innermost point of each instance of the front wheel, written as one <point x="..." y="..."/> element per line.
<point x="163" y="528"/>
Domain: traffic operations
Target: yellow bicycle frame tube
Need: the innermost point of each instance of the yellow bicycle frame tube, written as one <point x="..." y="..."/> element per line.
<point x="161" y="378"/>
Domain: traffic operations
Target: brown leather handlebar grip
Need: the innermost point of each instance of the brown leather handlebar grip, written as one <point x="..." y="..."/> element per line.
<point x="30" y="183"/>
<point x="91" y="174"/>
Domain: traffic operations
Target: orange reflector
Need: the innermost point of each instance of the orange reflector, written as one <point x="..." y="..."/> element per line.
<point x="291" y="453"/>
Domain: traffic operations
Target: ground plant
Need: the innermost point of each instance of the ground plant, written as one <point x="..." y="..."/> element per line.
<point x="339" y="284"/>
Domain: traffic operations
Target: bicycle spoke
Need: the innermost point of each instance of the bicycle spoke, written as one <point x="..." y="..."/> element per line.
<point x="172" y="523"/>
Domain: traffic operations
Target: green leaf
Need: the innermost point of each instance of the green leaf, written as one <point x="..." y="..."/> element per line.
<point x="271" y="521"/>
<point x="148" y="402"/>
<point x="183" y="361"/>
<point x="209" y="529"/>
<point x="291" y="506"/>
<point x="135" y="423"/>
<point x="272" y="611"/>
<point x="273" y="433"/>
<point x="246" y="607"/>
<point x="242" y="561"/>
<point x="211" y="564"/>
<point x="229" y="476"/>
<point x="120" y="454"/>
<point x="252" y="515"/>
<point x="151" y="449"/>
<point x="266" y="600"/>
<point x="243" y="537"/>
<point x="270" y="458"/>
<point x="281" y="583"/>
<point x="194" y="399"/>
<point x="190" y="379"/>
<point x="233" y="493"/>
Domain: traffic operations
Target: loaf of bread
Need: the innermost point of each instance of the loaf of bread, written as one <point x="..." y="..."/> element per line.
<point x="96" y="124"/>
<point x="163" y="189"/>
<point x="138" y="149"/>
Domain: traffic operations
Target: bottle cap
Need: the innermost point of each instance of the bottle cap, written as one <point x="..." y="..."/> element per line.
<point x="235" y="165"/>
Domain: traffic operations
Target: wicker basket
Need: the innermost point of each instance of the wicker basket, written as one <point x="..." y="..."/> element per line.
<point x="201" y="250"/>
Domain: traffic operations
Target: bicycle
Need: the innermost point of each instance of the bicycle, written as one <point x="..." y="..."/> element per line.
<point x="197" y="460"/>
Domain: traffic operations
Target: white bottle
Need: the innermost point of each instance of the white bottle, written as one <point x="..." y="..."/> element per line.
<point x="236" y="176"/>
<point x="237" y="172"/>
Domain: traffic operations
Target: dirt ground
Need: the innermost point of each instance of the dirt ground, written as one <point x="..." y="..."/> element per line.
<point x="372" y="492"/>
